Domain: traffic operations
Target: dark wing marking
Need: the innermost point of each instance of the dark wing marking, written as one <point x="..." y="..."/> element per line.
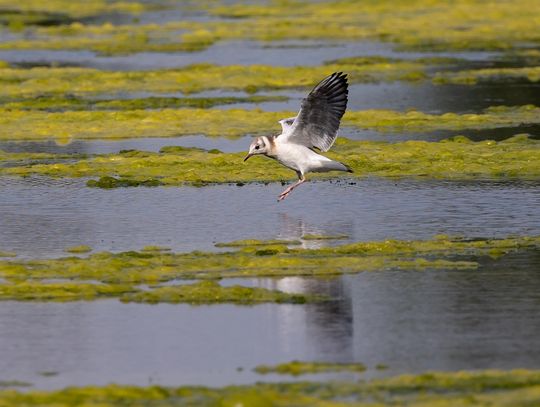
<point x="317" y="122"/>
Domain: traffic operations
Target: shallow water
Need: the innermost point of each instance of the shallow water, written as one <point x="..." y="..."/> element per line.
<point x="410" y="321"/>
<point x="114" y="146"/>
<point x="41" y="217"/>
<point x="289" y="53"/>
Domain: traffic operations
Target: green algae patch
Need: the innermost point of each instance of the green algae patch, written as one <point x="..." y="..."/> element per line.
<point x="255" y="242"/>
<point x="445" y="389"/>
<point x="54" y="85"/>
<point x="415" y="121"/>
<point x="155" y="249"/>
<point x="121" y="272"/>
<point x="324" y="237"/>
<point x="210" y="292"/>
<point x="60" y="292"/>
<point x="72" y="103"/>
<point x="453" y="159"/>
<point x="420" y="24"/>
<point x="78" y="249"/>
<point x="68" y="8"/>
<point x="297" y="368"/>
<point x="499" y="75"/>
<point x="13" y="383"/>
<point x="16" y="124"/>
<point x="204" y="292"/>
<point x="112" y="182"/>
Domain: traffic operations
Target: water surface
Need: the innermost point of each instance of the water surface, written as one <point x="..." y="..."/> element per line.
<point x="41" y="217"/>
<point x="410" y="321"/>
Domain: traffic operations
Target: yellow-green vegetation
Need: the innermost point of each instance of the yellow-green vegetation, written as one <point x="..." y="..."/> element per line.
<point x="39" y="81"/>
<point x="7" y="254"/>
<point x="69" y="9"/>
<point x="492" y="117"/>
<point x="445" y="389"/>
<point x="203" y="292"/>
<point x="255" y="242"/>
<point x="210" y="292"/>
<point x="13" y="383"/>
<point x="454" y="159"/>
<point x="72" y="103"/>
<point x="423" y="24"/>
<point x="61" y="292"/>
<point x="155" y="249"/>
<point x="297" y="368"/>
<point x="474" y="76"/>
<point x="78" y="249"/>
<point x="21" y="124"/>
<point x="133" y="268"/>
<point x="120" y="275"/>
<point x="324" y="237"/>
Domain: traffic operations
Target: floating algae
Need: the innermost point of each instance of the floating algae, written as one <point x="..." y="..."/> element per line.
<point x="204" y="292"/>
<point x="324" y="237"/>
<point x="73" y="9"/>
<point x="155" y="249"/>
<point x="499" y="75"/>
<point x="127" y="269"/>
<point x="421" y="24"/>
<point x="255" y="243"/>
<point x="297" y="368"/>
<point x="453" y="159"/>
<point x="415" y="121"/>
<point x="17" y="83"/>
<point x="72" y="103"/>
<point x="17" y="124"/>
<point x="485" y="387"/>
<point x="78" y="249"/>
<point x="209" y="292"/>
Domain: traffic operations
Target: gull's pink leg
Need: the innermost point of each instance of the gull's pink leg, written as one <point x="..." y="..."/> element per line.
<point x="285" y="193"/>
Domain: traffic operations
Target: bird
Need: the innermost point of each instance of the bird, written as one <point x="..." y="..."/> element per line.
<point x="315" y="127"/>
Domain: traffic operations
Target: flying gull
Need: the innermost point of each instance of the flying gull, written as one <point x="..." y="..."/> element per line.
<point x="315" y="126"/>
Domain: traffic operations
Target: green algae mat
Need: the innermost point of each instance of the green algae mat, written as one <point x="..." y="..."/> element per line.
<point x="146" y="276"/>
<point x="482" y="388"/>
<point x="419" y="24"/>
<point x="453" y="159"/>
<point x="19" y="83"/>
<point x="42" y="122"/>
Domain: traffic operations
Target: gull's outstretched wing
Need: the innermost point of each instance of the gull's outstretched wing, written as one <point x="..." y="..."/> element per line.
<point x="317" y="122"/>
<point x="286" y="124"/>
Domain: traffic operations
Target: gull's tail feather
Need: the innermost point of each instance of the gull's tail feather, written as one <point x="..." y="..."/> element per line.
<point x="332" y="165"/>
<point x="349" y="169"/>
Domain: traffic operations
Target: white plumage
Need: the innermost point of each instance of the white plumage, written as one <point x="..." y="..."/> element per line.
<point x="315" y="126"/>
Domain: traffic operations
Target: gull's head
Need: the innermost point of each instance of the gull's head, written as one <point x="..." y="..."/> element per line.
<point x="258" y="146"/>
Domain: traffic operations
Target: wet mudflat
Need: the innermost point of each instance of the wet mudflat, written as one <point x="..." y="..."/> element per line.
<point x="402" y="321"/>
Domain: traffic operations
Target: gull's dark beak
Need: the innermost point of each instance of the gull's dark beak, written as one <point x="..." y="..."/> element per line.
<point x="247" y="156"/>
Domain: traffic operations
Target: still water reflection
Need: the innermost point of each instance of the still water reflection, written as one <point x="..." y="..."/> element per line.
<point x="41" y="217"/>
<point x="411" y="321"/>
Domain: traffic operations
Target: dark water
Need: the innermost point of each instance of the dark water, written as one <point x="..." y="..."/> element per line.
<point x="410" y="321"/>
<point x="41" y="217"/>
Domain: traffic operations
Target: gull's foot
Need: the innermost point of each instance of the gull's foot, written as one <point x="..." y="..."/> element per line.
<point x="283" y="195"/>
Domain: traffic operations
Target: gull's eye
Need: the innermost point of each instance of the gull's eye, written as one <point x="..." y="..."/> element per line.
<point x="257" y="147"/>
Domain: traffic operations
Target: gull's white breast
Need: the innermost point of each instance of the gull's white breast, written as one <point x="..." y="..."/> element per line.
<point x="300" y="158"/>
